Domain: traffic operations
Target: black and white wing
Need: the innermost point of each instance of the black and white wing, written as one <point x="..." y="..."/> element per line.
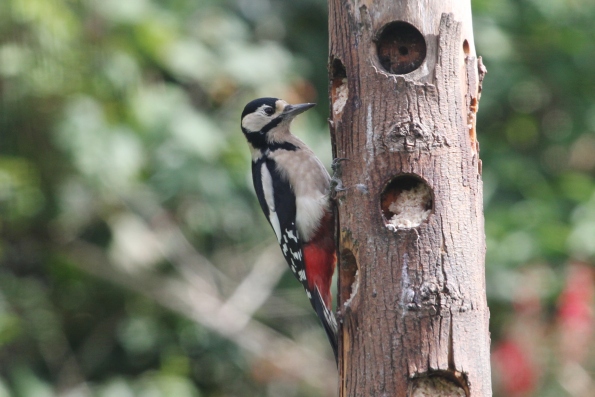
<point x="277" y="200"/>
<point x="278" y="203"/>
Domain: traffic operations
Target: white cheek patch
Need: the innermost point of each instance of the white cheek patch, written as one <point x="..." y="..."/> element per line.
<point x="267" y="188"/>
<point x="254" y="122"/>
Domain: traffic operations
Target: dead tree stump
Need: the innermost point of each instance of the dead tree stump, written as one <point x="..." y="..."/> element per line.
<point x="405" y="84"/>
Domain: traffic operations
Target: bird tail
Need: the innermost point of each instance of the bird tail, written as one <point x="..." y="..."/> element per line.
<point x="327" y="318"/>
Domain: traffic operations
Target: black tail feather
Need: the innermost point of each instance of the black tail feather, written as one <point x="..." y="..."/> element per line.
<point x="327" y="318"/>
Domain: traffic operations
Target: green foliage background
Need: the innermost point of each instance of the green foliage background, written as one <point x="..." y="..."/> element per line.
<point x="127" y="212"/>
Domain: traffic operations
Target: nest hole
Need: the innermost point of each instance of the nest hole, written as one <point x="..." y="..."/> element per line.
<point x="339" y="89"/>
<point x="406" y="202"/>
<point x="347" y="277"/>
<point x="438" y="384"/>
<point x="401" y="47"/>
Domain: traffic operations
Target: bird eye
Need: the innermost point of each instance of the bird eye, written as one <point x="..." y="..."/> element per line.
<point x="269" y="110"/>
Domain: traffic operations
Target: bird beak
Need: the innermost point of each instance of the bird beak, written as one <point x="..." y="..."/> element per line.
<point x="290" y="111"/>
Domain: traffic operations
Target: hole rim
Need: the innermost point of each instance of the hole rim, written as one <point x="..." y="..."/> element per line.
<point x="466" y="47"/>
<point x="338" y="73"/>
<point x="416" y="179"/>
<point x="380" y="59"/>
<point x="349" y="277"/>
<point x="455" y="378"/>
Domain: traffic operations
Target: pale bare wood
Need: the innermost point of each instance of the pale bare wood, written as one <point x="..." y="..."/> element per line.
<point x="412" y="302"/>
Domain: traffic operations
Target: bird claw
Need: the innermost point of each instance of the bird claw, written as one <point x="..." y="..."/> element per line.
<point x="336" y="183"/>
<point x="336" y="164"/>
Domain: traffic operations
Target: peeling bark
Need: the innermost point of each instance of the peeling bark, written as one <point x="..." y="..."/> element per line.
<point x="412" y="302"/>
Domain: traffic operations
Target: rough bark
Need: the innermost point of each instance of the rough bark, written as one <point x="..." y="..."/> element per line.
<point x="412" y="304"/>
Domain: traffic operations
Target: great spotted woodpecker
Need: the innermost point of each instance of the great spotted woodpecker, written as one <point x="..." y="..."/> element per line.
<point x="292" y="187"/>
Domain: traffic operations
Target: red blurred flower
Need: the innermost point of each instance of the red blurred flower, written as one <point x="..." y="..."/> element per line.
<point x="575" y="313"/>
<point x="517" y="372"/>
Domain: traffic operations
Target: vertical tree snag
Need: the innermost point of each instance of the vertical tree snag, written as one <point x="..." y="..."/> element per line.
<point x="405" y="83"/>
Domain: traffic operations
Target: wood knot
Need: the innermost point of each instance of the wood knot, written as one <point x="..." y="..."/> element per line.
<point x="410" y="136"/>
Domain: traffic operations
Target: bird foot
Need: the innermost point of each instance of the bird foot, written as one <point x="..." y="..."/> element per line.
<point x="336" y="182"/>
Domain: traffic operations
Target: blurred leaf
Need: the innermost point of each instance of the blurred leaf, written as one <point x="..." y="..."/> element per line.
<point x="119" y="129"/>
<point x="20" y="196"/>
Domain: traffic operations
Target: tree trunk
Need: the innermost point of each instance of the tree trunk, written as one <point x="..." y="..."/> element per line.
<point x="405" y="83"/>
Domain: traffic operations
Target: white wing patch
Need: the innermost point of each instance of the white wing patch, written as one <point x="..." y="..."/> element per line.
<point x="289" y="233"/>
<point x="302" y="275"/>
<point x="267" y="188"/>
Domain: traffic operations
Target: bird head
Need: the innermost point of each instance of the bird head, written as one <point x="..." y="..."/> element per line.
<point x="265" y="118"/>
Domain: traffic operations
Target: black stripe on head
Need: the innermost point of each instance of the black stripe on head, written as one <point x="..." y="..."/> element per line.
<point x="255" y="104"/>
<point x="275" y="122"/>
<point x="259" y="141"/>
<point x="282" y="145"/>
